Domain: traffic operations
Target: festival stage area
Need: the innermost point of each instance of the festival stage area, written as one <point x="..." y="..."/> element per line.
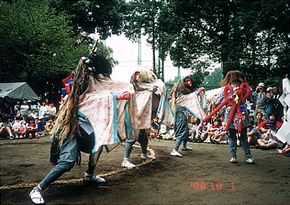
<point x="202" y="176"/>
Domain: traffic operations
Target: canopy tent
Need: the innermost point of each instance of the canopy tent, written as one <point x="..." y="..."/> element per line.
<point x="18" y="90"/>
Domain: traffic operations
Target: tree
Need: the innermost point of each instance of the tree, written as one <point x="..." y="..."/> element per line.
<point x="37" y="45"/>
<point x="266" y="27"/>
<point x="241" y="34"/>
<point x="103" y="17"/>
<point x="156" y="21"/>
<point x="213" y="79"/>
<point x="208" y="30"/>
<point x="141" y="18"/>
<point x="169" y="28"/>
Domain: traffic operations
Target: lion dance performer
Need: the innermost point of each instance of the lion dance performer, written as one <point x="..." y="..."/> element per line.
<point x="185" y="102"/>
<point x="235" y="94"/>
<point x="150" y="95"/>
<point x="96" y="114"/>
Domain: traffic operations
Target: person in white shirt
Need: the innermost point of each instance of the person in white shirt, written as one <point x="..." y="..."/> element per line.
<point x="18" y="127"/>
<point x="24" y="108"/>
<point x="52" y="109"/>
<point x="42" y="109"/>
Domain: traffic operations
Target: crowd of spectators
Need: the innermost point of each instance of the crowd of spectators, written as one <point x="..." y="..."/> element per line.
<point x="25" y="119"/>
<point x="266" y="117"/>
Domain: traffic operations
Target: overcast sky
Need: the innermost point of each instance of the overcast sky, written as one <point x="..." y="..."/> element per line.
<point x="126" y="53"/>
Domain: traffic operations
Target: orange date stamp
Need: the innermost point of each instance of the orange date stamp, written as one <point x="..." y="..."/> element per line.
<point x="212" y="185"/>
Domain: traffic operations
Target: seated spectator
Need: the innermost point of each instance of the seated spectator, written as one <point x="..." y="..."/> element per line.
<point x="163" y="129"/>
<point x="166" y="132"/>
<point x="216" y="125"/>
<point x="269" y="141"/>
<point x="48" y="127"/>
<point x="285" y="150"/>
<point x="268" y="128"/>
<point x="216" y="132"/>
<point x="51" y="110"/>
<point x="33" y="113"/>
<point x="18" y="127"/>
<point x="16" y="108"/>
<point x="35" y="106"/>
<point x="40" y="124"/>
<point x="253" y="134"/>
<point x="5" y="128"/>
<point x="24" y="108"/>
<point x="220" y="136"/>
<point x="271" y="122"/>
<point x="202" y="132"/>
<point x="259" y="117"/>
<point x="42" y="110"/>
<point x="31" y="128"/>
<point x="6" y="107"/>
<point x="155" y="127"/>
<point x="193" y="126"/>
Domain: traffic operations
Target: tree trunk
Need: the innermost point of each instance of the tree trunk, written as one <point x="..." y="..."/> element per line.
<point x="153" y="52"/>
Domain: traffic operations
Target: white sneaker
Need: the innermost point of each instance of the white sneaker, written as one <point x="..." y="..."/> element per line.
<point x="146" y="156"/>
<point x="127" y="164"/>
<point x="36" y="197"/>
<point x="250" y="161"/>
<point x="233" y="160"/>
<point x="175" y="153"/>
<point x="91" y="178"/>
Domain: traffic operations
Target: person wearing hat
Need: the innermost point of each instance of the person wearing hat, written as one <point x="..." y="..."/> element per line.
<point x="261" y="85"/>
<point x="261" y="98"/>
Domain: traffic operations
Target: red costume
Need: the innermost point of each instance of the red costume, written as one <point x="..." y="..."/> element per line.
<point x="235" y="99"/>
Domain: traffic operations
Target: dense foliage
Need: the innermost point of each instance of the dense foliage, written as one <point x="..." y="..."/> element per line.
<point x="37" y="45"/>
<point x="42" y="40"/>
<point x="103" y="17"/>
<point x="252" y="36"/>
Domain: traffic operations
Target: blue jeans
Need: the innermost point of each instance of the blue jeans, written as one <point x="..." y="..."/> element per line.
<point x="181" y="129"/>
<point x="142" y="139"/>
<point x="67" y="159"/>
<point x="244" y="142"/>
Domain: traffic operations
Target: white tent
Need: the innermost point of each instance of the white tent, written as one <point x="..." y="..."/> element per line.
<point x="18" y="90"/>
